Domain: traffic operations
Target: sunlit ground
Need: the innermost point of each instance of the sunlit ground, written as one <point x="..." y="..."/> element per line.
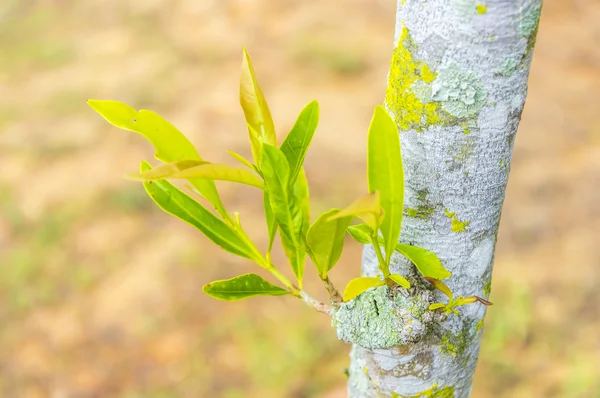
<point x="100" y="292"/>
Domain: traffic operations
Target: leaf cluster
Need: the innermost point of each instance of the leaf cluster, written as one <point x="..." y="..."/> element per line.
<point x="277" y="171"/>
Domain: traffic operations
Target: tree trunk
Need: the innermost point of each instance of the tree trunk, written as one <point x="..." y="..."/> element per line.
<point x="456" y="89"/>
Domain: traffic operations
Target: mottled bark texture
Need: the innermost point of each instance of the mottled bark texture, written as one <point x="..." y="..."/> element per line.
<point x="456" y="89"/>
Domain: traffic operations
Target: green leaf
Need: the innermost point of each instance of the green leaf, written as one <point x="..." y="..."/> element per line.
<point x="441" y="286"/>
<point x="169" y="143"/>
<point x="428" y="264"/>
<point x="271" y="222"/>
<point x="325" y="240"/>
<point x="175" y="202"/>
<point x="302" y="195"/>
<point x="241" y="159"/>
<point x="255" y="109"/>
<point x="242" y="287"/>
<point x="359" y="285"/>
<point x="286" y="209"/>
<point x="399" y="279"/>
<point x="296" y="255"/>
<point x="367" y="208"/>
<point x="187" y="169"/>
<point x="361" y="233"/>
<point x="435" y="306"/>
<point x="298" y="140"/>
<point x="386" y="175"/>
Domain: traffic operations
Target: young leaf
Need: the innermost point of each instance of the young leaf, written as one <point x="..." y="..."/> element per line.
<point x="175" y="202"/>
<point x="169" y="143"/>
<point x="325" y="240"/>
<point x="359" y="285"/>
<point x="271" y="222"/>
<point x="471" y="300"/>
<point x="399" y="279"/>
<point x="367" y="208"/>
<point x="189" y="170"/>
<point x="435" y="306"/>
<point x="276" y="173"/>
<point x="302" y="195"/>
<point x="242" y="287"/>
<point x="255" y="108"/>
<point x="166" y="170"/>
<point x="296" y="255"/>
<point x="384" y="167"/>
<point x="361" y="233"/>
<point x="298" y="140"/>
<point x="428" y="264"/>
<point x="441" y="286"/>
<point x="283" y="203"/>
<point x="241" y="159"/>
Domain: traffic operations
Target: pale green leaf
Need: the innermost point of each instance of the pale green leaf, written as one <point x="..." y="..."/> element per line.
<point x="325" y="240"/>
<point x="386" y="175"/>
<point x="189" y="170"/>
<point x="241" y="159"/>
<point x="361" y="233"/>
<point x="359" y="285"/>
<point x="428" y="264"/>
<point x="367" y="208"/>
<point x="175" y="202"/>
<point x="166" y="170"/>
<point x="302" y="195"/>
<point x="435" y="306"/>
<point x="399" y="279"/>
<point x="169" y="143"/>
<point x="270" y="218"/>
<point x="242" y="287"/>
<point x="298" y="140"/>
<point x="441" y="286"/>
<point x="255" y="108"/>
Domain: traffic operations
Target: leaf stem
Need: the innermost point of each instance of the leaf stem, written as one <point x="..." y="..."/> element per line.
<point x="336" y="298"/>
<point x="382" y="264"/>
<point x="301" y="294"/>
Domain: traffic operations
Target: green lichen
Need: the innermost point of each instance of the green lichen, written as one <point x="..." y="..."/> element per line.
<point x="457" y="225"/>
<point x="465" y="151"/>
<point x="379" y="318"/>
<point x="509" y="66"/>
<point x="466" y="128"/>
<point x="481" y="9"/>
<point x="435" y="392"/>
<point x="530" y="21"/>
<point x="464" y="8"/>
<point x="421" y="211"/>
<point x="479" y="325"/>
<point x="461" y="92"/>
<point x="409" y="109"/>
<point x="487" y="289"/>
<point x="424" y="210"/>
<point x="456" y="344"/>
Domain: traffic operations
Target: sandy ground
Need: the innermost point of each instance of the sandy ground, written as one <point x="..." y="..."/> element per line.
<point x="100" y="292"/>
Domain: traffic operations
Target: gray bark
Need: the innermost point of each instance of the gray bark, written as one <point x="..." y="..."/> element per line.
<point x="456" y="89"/>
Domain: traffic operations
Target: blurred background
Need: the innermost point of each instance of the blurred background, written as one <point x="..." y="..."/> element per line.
<point x="100" y="292"/>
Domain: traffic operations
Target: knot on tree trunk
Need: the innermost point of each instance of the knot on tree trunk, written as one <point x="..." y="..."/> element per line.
<point x="385" y="317"/>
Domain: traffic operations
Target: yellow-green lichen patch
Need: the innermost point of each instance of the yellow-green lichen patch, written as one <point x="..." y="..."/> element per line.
<point x="455" y="344"/>
<point x="409" y="109"/>
<point x="435" y="392"/>
<point x="457" y="225"/>
<point x="479" y="325"/>
<point x="465" y="126"/>
<point x="481" y="9"/>
<point x="424" y="210"/>
<point x="487" y="289"/>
